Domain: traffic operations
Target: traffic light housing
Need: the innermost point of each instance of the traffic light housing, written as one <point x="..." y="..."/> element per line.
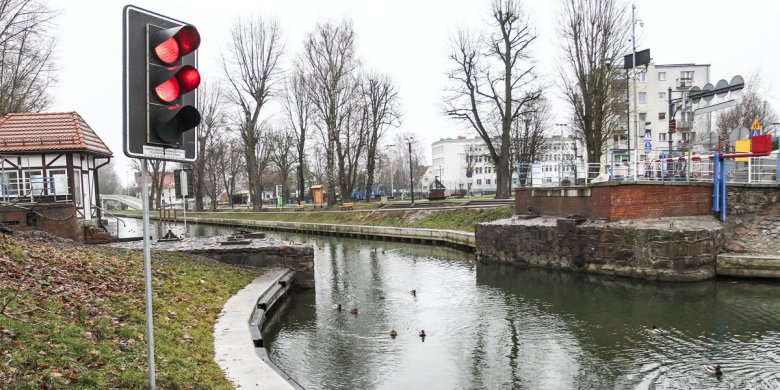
<point x="161" y="77"/>
<point x="672" y="126"/>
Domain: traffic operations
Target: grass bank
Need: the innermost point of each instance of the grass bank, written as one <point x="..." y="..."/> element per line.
<point x="449" y="219"/>
<point x="72" y="316"/>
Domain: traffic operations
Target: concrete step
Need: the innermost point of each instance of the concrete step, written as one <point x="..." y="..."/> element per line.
<point x="748" y="265"/>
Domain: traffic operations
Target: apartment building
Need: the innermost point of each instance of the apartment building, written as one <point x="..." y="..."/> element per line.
<point x="652" y="108"/>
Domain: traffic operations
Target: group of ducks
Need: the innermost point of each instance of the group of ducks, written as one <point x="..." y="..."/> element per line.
<point x="715" y="370"/>
<point x="393" y="333"/>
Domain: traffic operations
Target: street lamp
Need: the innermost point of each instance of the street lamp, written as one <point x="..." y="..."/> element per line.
<point x="392" y="192"/>
<point x="409" y="141"/>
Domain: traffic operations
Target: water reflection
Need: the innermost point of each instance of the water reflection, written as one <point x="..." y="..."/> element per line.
<point x="496" y="327"/>
<point x="505" y="327"/>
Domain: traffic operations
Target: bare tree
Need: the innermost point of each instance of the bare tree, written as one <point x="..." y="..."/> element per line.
<point x="212" y="104"/>
<point x="283" y="155"/>
<point x="298" y="110"/>
<point x="232" y="164"/>
<point x="751" y="105"/>
<point x="329" y="55"/>
<point x="27" y="69"/>
<point x="252" y="68"/>
<point x="528" y="137"/>
<point x="211" y="179"/>
<point x="593" y="35"/>
<point x="155" y="170"/>
<point x="109" y="179"/>
<point x="494" y="82"/>
<point x="400" y="157"/>
<point x="380" y="97"/>
<point x="350" y="142"/>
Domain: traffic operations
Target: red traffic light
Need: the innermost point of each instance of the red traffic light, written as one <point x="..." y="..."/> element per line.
<point x="173" y="43"/>
<point x="174" y="85"/>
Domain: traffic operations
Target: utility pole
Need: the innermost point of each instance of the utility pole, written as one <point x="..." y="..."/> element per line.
<point x="633" y="53"/>
<point x="410" y="141"/>
<point x="392" y="192"/>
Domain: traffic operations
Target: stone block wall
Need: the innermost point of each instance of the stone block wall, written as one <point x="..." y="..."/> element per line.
<point x="750" y="198"/>
<point x="649" y="252"/>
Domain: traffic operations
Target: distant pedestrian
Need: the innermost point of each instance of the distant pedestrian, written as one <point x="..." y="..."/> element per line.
<point x="170" y="235"/>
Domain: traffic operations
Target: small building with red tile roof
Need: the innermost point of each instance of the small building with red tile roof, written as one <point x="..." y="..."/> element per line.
<point x="49" y="172"/>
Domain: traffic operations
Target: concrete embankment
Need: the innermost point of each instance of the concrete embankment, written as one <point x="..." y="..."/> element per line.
<point x="260" y="253"/>
<point x="671" y="249"/>
<point x="238" y="346"/>
<point x="457" y="239"/>
<point x="748" y="265"/>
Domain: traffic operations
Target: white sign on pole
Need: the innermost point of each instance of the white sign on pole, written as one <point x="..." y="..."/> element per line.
<point x="183" y="182"/>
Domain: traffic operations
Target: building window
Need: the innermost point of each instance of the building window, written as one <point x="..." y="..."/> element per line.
<point x="58" y="182"/>
<point x="662" y="95"/>
<point x="77" y="199"/>
<point x="686" y="75"/>
<point x="641" y="76"/>
<point x="643" y="117"/>
<point x="479" y="182"/>
<point x="662" y="136"/>
<point x="642" y="97"/>
<point x="34" y="183"/>
<point x="487" y="181"/>
<point x="661" y="116"/>
<point x="10" y="183"/>
<point x="661" y="76"/>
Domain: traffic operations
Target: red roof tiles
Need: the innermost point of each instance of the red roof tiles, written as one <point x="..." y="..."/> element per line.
<point x="28" y="132"/>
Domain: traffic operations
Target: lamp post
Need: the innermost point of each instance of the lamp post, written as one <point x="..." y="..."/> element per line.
<point x="392" y="192"/>
<point x="409" y="141"/>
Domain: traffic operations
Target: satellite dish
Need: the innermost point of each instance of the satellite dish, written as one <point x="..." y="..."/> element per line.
<point x="737" y="83"/>
<point x="741" y="132"/>
<point x="694" y="91"/>
<point x="708" y="87"/>
<point x="720" y="85"/>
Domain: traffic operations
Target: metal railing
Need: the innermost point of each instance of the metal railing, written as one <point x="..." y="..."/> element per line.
<point x="752" y="170"/>
<point x="32" y="190"/>
<point x="112" y="215"/>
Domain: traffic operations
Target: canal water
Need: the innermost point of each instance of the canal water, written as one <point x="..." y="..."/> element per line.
<point x="502" y="327"/>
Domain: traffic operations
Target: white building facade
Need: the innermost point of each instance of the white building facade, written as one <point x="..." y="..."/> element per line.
<point x="652" y="110"/>
<point x="452" y="158"/>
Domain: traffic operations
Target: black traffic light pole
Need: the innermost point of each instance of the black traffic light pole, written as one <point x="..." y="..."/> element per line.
<point x="159" y="115"/>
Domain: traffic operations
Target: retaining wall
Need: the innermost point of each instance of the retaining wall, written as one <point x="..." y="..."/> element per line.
<point x="457" y="239"/>
<point x="661" y="250"/>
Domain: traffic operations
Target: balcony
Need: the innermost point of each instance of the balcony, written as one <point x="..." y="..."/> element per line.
<point x="684" y="83"/>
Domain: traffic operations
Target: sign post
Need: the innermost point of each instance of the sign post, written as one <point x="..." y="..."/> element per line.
<point x="755" y="129"/>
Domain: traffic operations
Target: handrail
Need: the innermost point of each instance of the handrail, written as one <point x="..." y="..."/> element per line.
<point x="113" y="215"/>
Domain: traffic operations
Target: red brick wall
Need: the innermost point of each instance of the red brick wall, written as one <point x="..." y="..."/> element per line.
<point x="652" y="201"/>
<point x="57" y="219"/>
<point x="620" y="201"/>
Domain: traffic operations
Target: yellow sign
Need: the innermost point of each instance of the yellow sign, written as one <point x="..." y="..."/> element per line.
<point x="742" y="146"/>
<point x="756" y="125"/>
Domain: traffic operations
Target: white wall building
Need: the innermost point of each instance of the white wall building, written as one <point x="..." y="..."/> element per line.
<point x="450" y="160"/>
<point x="563" y="159"/>
<point x="652" y="107"/>
<point x="452" y="157"/>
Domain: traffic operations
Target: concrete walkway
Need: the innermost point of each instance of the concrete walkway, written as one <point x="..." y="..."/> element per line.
<point x="234" y="351"/>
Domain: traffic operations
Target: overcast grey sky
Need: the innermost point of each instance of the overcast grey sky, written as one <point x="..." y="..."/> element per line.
<point x="407" y="39"/>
